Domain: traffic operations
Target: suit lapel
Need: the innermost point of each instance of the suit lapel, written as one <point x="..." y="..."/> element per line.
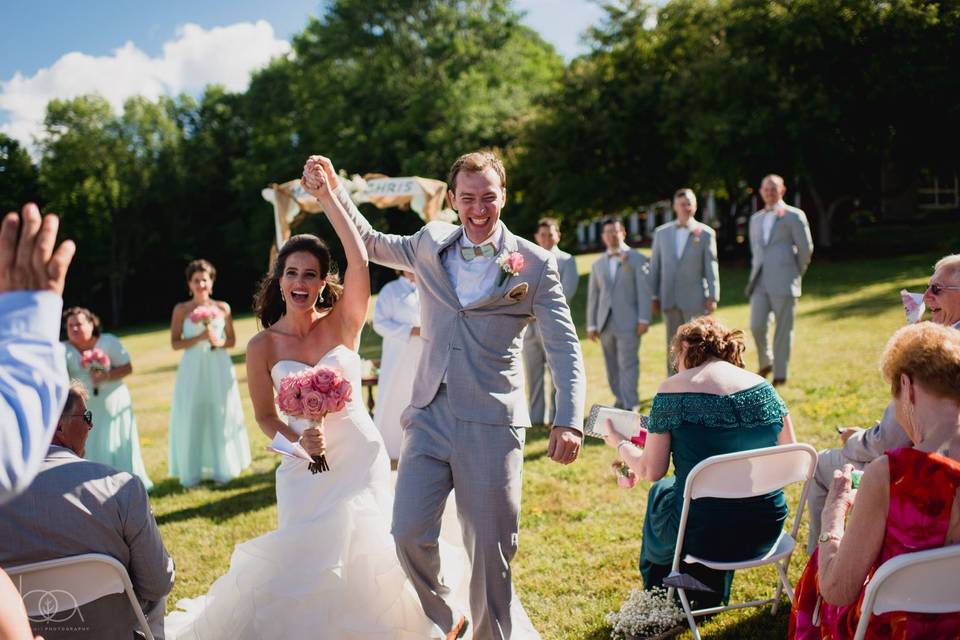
<point x="773" y="227"/>
<point x="444" y="276"/>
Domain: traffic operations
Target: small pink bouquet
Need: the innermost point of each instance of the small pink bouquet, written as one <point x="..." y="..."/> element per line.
<point x="204" y="314"/>
<point x="312" y="394"/>
<point x="510" y="265"/>
<point x="95" y="360"/>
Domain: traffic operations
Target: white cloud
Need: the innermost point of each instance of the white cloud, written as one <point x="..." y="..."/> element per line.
<point x="194" y="58"/>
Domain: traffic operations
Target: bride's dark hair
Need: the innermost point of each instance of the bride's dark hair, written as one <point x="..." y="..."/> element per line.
<point x="268" y="306"/>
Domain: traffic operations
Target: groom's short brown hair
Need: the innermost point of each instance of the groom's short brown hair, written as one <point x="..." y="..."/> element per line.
<point x="476" y="162"/>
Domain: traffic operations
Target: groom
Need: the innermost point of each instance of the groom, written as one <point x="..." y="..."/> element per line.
<point x="465" y="428"/>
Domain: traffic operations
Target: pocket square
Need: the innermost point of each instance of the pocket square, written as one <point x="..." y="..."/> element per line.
<point x="518" y="292"/>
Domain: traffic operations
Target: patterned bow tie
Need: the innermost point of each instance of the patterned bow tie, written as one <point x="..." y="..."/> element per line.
<point x="486" y="250"/>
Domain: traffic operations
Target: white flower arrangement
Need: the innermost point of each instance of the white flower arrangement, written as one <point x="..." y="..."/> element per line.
<point x="644" y="614"/>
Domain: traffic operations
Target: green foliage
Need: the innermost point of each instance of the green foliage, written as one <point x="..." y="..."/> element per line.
<point x="18" y="176"/>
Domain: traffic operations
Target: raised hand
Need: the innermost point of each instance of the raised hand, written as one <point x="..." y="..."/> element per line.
<point x="30" y="263"/>
<point x="319" y="178"/>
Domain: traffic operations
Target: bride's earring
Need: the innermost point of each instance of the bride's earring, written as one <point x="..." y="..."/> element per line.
<point x="282" y="299"/>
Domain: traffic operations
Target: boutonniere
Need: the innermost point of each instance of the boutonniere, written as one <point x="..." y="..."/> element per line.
<point x="781" y="212"/>
<point x="510" y="265"/>
<point x="696" y="231"/>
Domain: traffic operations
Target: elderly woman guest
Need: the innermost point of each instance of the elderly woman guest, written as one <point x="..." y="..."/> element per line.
<point x="208" y="438"/>
<point x="710" y="407"/>
<point x="396" y="317"/>
<point x="114" y="439"/>
<point x="907" y="500"/>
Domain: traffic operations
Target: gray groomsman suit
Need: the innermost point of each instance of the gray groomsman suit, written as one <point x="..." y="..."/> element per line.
<point x="535" y="356"/>
<point x="683" y="283"/>
<point x="464" y="429"/>
<point x="778" y="264"/>
<point x="75" y="506"/>
<point x="860" y="449"/>
<point x="614" y="308"/>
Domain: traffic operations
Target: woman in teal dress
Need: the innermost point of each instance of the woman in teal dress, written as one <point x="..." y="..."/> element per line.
<point x="113" y="438"/>
<point x="208" y="439"/>
<point x="710" y="407"/>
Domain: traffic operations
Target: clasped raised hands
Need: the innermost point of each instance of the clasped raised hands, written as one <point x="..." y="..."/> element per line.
<point x="29" y="262"/>
<point x="319" y="177"/>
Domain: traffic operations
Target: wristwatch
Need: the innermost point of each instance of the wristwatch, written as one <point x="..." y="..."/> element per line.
<point x="829" y="536"/>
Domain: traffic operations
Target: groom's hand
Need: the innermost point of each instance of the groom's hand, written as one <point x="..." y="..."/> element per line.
<point x="564" y="444"/>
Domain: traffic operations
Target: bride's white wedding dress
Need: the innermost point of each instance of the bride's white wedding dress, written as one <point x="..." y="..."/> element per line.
<point x="330" y="570"/>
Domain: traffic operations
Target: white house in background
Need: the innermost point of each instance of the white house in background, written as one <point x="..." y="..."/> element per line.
<point x="642" y="222"/>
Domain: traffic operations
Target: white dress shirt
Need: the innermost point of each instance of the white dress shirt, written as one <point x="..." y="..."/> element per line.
<point x="770" y="216"/>
<point x="614" y="258"/>
<point x="682" y="234"/>
<point x="33" y="384"/>
<point x="473" y="279"/>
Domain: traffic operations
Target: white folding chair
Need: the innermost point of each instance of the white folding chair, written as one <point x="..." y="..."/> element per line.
<point x="64" y="584"/>
<point x="745" y="474"/>
<point x="919" y="582"/>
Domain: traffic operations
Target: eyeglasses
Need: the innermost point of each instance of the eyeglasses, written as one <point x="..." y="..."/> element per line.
<point x="86" y="415"/>
<point x="936" y="289"/>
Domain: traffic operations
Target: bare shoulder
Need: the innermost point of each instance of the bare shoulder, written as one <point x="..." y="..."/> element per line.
<point x="259" y="345"/>
<point x="223" y="306"/>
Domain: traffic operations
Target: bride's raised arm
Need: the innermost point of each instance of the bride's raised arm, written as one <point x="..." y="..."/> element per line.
<point x="320" y="181"/>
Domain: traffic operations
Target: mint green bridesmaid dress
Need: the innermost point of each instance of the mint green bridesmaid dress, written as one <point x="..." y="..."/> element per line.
<point x="113" y="440"/>
<point x="208" y="439"/>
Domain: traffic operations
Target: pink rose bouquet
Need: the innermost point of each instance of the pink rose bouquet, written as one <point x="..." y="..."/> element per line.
<point x="510" y="265"/>
<point x="95" y="360"/>
<point x="312" y="394"/>
<point x="204" y="314"/>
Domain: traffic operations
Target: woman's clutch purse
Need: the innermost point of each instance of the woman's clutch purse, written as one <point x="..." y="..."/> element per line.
<point x="626" y="423"/>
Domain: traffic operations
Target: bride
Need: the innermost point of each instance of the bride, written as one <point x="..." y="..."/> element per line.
<point x="330" y="570"/>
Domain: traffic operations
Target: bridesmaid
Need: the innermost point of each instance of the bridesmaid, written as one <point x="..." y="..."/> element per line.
<point x="113" y="438"/>
<point x="208" y="439"/>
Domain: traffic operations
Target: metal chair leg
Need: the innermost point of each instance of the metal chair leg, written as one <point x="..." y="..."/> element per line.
<point x="686" y="609"/>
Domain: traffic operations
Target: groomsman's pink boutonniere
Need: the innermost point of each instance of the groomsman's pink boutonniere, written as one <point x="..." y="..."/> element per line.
<point x="510" y="264"/>
<point x="697" y="230"/>
<point x="781" y="212"/>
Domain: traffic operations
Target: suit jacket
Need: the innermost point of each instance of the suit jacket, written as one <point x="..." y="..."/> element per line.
<point x="685" y="282"/>
<point x="780" y="263"/>
<point x="478" y="346"/>
<point x="623" y="301"/>
<point x="75" y="506"/>
<point x="569" y="279"/>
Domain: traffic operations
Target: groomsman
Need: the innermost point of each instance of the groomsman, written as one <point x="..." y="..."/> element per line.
<point x="534" y="355"/>
<point x="684" y="275"/>
<point x="781" y="246"/>
<point x="618" y="311"/>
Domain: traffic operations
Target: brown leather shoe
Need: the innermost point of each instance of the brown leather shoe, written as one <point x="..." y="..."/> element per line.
<point x="458" y="629"/>
<point x="778" y="382"/>
<point x="763" y="372"/>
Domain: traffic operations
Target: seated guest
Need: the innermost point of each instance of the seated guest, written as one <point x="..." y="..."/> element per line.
<point x="710" y="407"/>
<point x="75" y="506"/>
<point x="907" y="500"/>
<point x="860" y="446"/>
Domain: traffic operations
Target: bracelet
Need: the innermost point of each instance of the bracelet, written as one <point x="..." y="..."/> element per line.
<point x="824" y="537"/>
<point x="623" y="442"/>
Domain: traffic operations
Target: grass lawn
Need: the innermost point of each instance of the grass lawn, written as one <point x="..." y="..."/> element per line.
<point x="580" y="533"/>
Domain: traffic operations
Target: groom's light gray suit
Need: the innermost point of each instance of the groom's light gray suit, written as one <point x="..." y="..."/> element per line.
<point x="683" y="283"/>
<point x="777" y="267"/>
<point x="535" y="356"/>
<point x="465" y="426"/>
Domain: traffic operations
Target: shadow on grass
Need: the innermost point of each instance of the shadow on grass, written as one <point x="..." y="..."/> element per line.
<point x="221" y="510"/>
<point x="172" y="487"/>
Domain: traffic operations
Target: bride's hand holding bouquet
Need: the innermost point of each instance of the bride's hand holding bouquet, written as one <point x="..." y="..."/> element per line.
<point x="312" y="394"/>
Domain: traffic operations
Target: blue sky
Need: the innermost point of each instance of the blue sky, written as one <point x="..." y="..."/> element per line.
<point x="60" y="49"/>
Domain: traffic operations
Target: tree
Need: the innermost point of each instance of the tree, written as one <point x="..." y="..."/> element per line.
<point x="18" y="176"/>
